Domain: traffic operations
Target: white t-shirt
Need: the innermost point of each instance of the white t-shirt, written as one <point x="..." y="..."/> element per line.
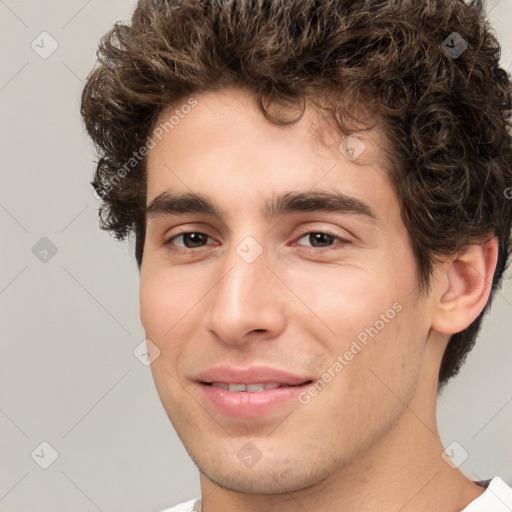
<point x="188" y="506"/>
<point x="496" y="498"/>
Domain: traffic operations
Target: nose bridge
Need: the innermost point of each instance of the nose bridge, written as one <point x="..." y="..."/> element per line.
<point x="243" y="299"/>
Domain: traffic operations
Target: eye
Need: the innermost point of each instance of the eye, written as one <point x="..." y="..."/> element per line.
<point x="320" y="239"/>
<point x="188" y="240"/>
<point x="197" y="239"/>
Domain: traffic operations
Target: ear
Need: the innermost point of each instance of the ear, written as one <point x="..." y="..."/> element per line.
<point x="465" y="286"/>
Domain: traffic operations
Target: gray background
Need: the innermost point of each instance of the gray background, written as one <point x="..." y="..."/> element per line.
<point x="70" y="324"/>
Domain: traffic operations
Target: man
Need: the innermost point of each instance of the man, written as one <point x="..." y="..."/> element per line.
<point x="318" y="191"/>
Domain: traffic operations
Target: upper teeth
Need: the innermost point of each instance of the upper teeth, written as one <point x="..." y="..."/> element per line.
<point x="246" y="387"/>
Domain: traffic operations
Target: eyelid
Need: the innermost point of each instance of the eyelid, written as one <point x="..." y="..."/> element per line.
<point x="327" y="231"/>
<point x="182" y="230"/>
<point x="187" y="228"/>
<point x="168" y="240"/>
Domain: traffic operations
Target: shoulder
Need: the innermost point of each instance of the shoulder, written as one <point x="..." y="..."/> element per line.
<point x="187" y="506"/>
<point x="496" y="498"/>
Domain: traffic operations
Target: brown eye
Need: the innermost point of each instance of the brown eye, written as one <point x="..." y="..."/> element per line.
<point x="189" y="240"/>
<point x="320" y="239"/>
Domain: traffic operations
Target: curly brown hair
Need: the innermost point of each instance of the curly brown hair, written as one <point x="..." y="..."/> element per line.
<point x="446" y="115"/>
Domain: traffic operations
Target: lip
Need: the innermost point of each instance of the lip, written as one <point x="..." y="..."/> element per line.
<point x="249" y="404"/>
<point x="250" y="375"/>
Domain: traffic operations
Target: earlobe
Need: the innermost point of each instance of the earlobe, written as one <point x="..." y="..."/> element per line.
<point x="467" y="281"/>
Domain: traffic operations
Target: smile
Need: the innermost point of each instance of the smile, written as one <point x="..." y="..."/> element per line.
<point x="251" y="388"/>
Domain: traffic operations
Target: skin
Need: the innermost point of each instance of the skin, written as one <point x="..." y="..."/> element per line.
<point x="368" y="441"/>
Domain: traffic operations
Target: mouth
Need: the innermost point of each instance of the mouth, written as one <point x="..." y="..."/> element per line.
<point x="250" y="393"/>
<point x="252" y="388"/>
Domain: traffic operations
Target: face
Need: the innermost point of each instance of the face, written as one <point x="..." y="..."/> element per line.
<point x="287" y="264"/>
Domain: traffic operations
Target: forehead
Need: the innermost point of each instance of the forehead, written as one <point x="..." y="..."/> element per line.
<point x="225" y="147"/>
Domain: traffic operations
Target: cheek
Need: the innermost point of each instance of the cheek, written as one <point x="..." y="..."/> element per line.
<point x="152" y="299"/>
<point x="343" y="300"/>
<point x="369" y="319"/>
<point x="165" y="300"/>
<point x="384" y="374"/>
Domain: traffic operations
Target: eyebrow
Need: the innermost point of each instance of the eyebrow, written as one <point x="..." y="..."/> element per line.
<point x="169" y="203"/>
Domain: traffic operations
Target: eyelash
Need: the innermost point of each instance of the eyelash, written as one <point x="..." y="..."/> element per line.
<point x="168" y="242"/>
<point x="328" y="232"/>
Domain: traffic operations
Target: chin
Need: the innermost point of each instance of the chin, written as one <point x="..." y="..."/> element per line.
<point x="269" y="480"/>
<point x="271" y="476"/>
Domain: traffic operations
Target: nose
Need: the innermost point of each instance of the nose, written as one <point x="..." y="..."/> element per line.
<point x="246" y="303"/>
